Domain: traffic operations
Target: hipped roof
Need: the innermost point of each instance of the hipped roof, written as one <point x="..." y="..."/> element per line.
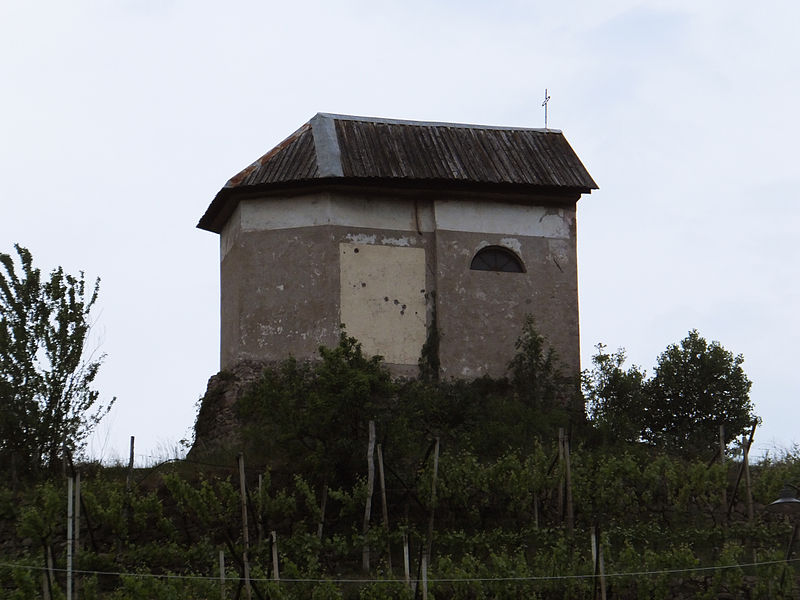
<point x="347" y="150"/>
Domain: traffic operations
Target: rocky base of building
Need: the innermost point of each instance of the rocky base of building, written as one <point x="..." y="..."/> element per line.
<point x="217" y="426"/>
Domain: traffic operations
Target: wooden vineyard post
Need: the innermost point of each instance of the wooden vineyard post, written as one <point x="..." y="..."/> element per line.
<point x="222" y="575"/>
<point x="77" y="542"/>
<point x="748" y="489"/>
<point x="424" y="577"/>
<point x="323" y="504"/>
<point x="599" y="566"/>
<point x="245" y="533"/>
<point x="370" y="488"/>
<point x="275" y="573"/>
<point x="561" y="479"/>
<point x="563" y="452"/>
<point x="260" y="513"/>
<point x="70" y="516"/>
<point x="385" y="508"/>
<point x="744" y="470"/>
<point x="130" y="467"/>
<point x="127" y="502"/>
<point x="51" y="576"/>
<point x="722" y="462"/>
<point x="406" y="562"/>
<point x="429" y="543"/>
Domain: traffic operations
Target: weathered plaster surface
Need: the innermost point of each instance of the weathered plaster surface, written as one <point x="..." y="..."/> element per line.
<point x="290" y="276"/>
<point x="481" y="313"/>
<point x="279" y="295"/>
<point x="282" y="294"/>
<point x="328" y="208"/>
<point x="230" y="233"/>
<point x="383" y="299"/>
<point x="503" y="218"/>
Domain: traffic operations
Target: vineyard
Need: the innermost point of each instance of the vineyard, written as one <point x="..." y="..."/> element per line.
<point x="666" y="528"/>
<point x="344" y="483"/>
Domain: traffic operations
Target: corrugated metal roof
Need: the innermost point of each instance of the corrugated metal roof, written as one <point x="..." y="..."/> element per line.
<point x="347" y="149"/>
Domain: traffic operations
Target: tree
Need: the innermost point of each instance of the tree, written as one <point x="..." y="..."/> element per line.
<point x="615" y="396"/>
<point x="697" y="386"/>
<point x="46" y="371"/>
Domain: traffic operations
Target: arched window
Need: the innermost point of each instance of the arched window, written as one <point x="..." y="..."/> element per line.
<point x="497" y="258"/>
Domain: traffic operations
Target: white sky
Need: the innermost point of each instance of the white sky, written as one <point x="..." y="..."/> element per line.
<point x="120" y="120"/>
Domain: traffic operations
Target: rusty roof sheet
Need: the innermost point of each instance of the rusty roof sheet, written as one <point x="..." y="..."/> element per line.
<point x="346" y="149"/>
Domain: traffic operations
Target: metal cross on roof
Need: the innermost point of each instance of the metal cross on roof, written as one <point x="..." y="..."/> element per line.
<point x="546" y="100"/>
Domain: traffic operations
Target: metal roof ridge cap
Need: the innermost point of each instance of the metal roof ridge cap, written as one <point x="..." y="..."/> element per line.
<point x="334" y="116"/>
<point x="326" y="145"/>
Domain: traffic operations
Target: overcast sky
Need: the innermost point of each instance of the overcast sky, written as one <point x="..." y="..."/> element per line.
<point x="120" y="120"/>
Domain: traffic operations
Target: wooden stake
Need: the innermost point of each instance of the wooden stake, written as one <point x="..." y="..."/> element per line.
<point x="370" y="488"/>
<point x="748" y="489"/>
<point x="406" y="562"/>
<point x="722" y="462"/>
<point x="323" y="505"/>
<point x="433" y="499"/>
<point x="561" y="510"/>
<point x="245" y="533"/>
<point x="126" y="512"/>
<point x="741" y="472"/>
<point x="222" y="575"/>
<point x="260" y="513"/>
<point x="275" y="573"/>
<point x="568" y="484"/>
<point x="51" y="577"/>
<point x="385" y="509"/>
<point x="129" y="477"/>
<point x="424" y="577"/>
<point x="77" y="531"/>
<point x="70" y="517"/>
<point x="602" y="575"/>
<point x="599" y="567"/>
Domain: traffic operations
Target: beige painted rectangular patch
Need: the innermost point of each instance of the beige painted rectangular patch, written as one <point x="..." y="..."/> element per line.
<point x="383" y="299"/>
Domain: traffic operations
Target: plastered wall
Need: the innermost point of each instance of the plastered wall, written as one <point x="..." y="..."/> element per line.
<point x="293" y="269"/>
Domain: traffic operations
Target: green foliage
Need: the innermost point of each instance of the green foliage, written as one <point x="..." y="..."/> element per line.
<point x="615" y="397"/>
<point x="21" y="584"/>
<point x="317" y="417"/>
<point x="535" y="373"/>
<point x="388" y="590"/>
<point x="40" y="518"/>
<point x="696" y="387"/>
<point x="314" y="417"/>
<point x="46" y="374"/>
<point x="660" y="518"/>
<point x="166" y="588"/>
<point x="499" y="509"/>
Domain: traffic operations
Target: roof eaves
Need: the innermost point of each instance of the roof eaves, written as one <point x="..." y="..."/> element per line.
<point x="242" y="175"/>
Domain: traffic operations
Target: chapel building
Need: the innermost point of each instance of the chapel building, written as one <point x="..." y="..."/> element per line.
<point x="402" y="232"/>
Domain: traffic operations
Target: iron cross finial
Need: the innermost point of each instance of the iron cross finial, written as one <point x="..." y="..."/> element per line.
<point x="546" y="100"/>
